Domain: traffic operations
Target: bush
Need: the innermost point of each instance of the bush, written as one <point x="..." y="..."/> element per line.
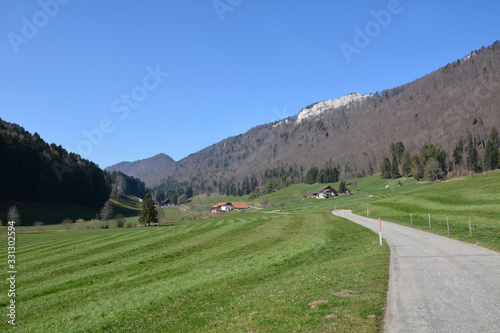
<point x="38" y="225"/>
<point x="67" y="223"/>
<point x="120" y="220"/>
<point x="81" y="224"/>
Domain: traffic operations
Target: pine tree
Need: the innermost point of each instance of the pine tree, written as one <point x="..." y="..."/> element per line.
<point x="311" y="175"/>
<point x="406" y="166"/>
<point x="189" y="192"/>
<point x="395" y="168"/>
<point x="491" y="152"/>
<point x="385" y="168"/>
<point x="458" y="151"/>
<point x="472" y="156"/>
<point x="342" y="187"/>
<point x="149" y="215"/>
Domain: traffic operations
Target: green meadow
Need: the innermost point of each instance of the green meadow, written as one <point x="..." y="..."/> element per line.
<point x="302" y="270"/>
<point x="243" y="272"/>
<point x="474" y="197"/>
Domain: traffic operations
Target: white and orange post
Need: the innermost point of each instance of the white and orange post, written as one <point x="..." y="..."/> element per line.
<point x="380" y="231"/>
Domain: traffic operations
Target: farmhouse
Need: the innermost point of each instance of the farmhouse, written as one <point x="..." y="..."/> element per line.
<point x="222" y="207"/>
<point x="325" y="192"/>
<point x="239" y="205"/>
<point x="167" y="203"/>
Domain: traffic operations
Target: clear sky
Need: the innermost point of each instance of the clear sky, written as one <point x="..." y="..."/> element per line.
<point x="119" y="80"/>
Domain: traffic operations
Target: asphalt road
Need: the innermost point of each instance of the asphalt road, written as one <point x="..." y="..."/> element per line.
<point x="437" y="284"/>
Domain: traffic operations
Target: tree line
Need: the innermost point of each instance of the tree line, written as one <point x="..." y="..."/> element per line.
<point x="430" y="162"/>
<point x="122" y="184"/>
<point x="434" y="163"/>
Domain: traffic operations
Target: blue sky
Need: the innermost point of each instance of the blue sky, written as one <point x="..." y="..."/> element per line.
<point x="126" y="80"/>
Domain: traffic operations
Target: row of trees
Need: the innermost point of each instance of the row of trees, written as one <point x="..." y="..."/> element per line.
<point x="329" y="174"/>
<point x="434" y="163"/>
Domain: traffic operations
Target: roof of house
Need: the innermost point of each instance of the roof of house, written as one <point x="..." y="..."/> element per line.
<point x="240" y="205"/>
<point x="324" y="189"/>
<point x="166" y="202"/>
<point x="219" y="204"/>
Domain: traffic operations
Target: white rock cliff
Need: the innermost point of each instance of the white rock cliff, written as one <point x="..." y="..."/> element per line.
<point x="323" y="106"/>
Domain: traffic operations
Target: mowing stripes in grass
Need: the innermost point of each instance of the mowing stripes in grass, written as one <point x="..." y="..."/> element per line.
<point x="254" y="272"/>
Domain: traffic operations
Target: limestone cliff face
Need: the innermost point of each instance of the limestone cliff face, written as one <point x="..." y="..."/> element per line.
<point x="323" y="106"/>
<point x="441" y="107"/>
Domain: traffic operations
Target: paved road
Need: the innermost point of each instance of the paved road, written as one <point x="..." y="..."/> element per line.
<point x="437" y="284"/>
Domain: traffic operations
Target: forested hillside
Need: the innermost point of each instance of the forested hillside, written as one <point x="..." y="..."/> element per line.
<point x="147" y="169"/>
<point x="122" y="184"/>
<point x="33" y="170"/>
<point x="456" y="102"/>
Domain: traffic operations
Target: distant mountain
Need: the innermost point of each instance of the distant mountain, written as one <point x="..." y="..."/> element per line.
<point x="148" y="170"/>
<point x="352" y="132"/>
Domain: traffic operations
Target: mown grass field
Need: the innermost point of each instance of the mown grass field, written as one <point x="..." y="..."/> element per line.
<point x="474" y="197"/>
<point x="242" y="272"/>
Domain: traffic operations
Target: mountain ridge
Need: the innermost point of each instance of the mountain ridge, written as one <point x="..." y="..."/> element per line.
<point x="143" y="168"/>
<point x="440" y="107"/>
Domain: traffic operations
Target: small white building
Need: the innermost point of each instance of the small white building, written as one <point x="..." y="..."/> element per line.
<point x="222" y="206"/>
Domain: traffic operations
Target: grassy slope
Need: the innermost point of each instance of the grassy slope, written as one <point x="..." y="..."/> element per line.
<point x="476" y="198"/>
<point x="241" y="272"/>
<point x="127" y="206"/>
<point x="244" y="271"/>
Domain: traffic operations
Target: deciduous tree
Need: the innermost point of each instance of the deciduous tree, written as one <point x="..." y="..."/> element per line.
<point x="13" y="215"/>
<point x="106" y="212"/>
<point x="433" y="170"/>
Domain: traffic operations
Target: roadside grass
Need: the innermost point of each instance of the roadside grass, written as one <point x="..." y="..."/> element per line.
<point x="474" y="197"/>
<point x="246" y="271"/>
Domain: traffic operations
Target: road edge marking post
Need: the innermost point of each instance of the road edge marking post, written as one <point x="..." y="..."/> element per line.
<point x="380" y="231"/>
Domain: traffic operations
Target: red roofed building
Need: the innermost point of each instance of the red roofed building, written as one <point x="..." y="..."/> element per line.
<point x="239" y="205"/>
<point x="222" y="207"/>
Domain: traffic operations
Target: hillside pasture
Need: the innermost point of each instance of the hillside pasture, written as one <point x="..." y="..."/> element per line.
<point x="474" y="197"/>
